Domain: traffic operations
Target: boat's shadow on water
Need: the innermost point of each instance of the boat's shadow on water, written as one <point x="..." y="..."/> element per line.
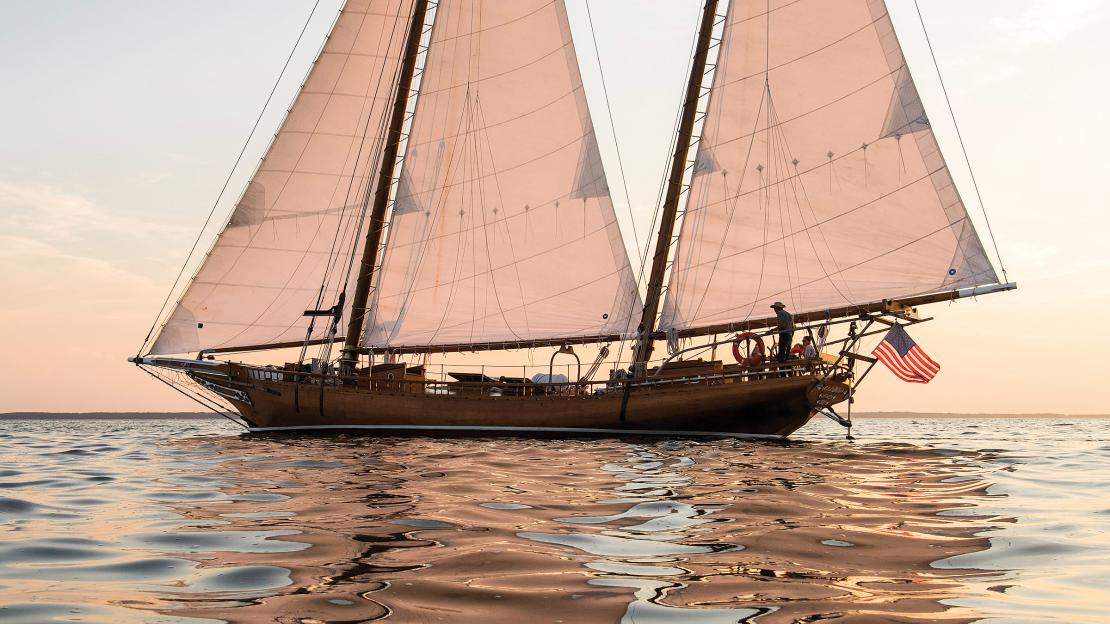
<point x="602" y="530"/>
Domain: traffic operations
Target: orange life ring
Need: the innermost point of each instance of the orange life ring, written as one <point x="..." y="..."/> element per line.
<point x="756" y="356"/>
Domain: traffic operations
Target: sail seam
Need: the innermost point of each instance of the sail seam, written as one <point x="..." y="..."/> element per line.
<point x="541" y="299"/>
<point x="823" y="222"/>
<point x="230" y="174"/>
<point x="845" y="269"/>
<point x="281" y="190"/>
<point x="763" y="73"/>
<point x="370" y="167"/>
<point x="501" y="74"/>
<point x="604" y="226"/>
<point x="815" y="110"/>
<point x="770" y="186"/>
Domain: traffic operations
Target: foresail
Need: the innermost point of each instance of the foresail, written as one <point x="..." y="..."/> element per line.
<point x="503" y="229"/>
<point x="298" y="219"/>
<point x="818" y="180"/>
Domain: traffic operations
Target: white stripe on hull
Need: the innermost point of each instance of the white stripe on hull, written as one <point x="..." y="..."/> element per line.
<point x="627" y="432"/>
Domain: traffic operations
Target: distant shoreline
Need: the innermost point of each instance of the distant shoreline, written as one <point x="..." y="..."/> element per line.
<point x="211" y="416"/>
<point x="109" y="416"/>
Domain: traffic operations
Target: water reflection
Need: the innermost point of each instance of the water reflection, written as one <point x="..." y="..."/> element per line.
<point x="341" y="529"/>
<point x="640" y="555"/>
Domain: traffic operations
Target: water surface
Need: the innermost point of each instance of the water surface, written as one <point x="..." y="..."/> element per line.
<point x="953" y="520"/>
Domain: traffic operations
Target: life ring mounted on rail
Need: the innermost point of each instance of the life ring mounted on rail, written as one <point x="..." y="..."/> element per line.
<point x="755" y="355"/>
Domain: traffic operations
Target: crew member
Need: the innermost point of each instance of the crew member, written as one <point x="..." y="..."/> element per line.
<point x="785" y="326"/>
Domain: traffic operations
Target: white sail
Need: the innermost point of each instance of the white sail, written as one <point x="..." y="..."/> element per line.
<point x="298" y="218"/>
<point x="503" y="228"/>
<point x="818" y="181"/>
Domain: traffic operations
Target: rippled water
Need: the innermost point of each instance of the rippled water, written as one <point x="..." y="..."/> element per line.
<point x="952" y="520"/>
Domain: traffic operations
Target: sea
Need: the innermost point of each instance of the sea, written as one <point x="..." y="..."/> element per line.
<point x="919" y="519"/>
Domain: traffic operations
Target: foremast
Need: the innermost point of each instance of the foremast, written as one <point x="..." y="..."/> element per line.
<point x="349" y="356"/>
<point x="644" y="340"/>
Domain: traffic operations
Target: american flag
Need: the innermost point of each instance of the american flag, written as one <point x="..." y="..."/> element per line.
<point x="904" y="358"/>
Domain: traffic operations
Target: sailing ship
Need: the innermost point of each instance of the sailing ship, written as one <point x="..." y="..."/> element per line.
<point x="437" y="188"/>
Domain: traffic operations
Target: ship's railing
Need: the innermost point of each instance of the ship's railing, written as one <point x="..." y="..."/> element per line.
<point x="519" y="386"/>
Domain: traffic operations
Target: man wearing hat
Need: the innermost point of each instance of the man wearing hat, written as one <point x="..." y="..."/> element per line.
<point x="785" y="326"/>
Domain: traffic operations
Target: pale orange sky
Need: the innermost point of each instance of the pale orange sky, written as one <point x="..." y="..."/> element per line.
<point x="121" y="118"/>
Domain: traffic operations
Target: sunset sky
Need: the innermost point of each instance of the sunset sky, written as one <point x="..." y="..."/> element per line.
<point x="120" y="119"/>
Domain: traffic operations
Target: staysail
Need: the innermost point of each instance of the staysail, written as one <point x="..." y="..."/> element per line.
<point x="818" y="180"/>
<point x="299" y="216"/>
<point x="503" y="229"/>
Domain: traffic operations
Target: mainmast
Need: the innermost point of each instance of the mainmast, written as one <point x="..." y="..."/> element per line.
<point x="644" y="345"/>
<point x="381" y="194"/>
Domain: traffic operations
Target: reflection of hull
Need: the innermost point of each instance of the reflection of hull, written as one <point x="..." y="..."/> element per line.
<point x="775" y="406"/>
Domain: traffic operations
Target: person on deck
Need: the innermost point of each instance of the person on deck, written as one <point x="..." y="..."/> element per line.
<point x="785" y="325"/>
<point x="809" y="350"/>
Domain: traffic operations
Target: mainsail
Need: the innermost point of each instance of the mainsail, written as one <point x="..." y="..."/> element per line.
<point x="818" y="180"/>
<point x="283" y="249"/>
<point x="503" y="229"/>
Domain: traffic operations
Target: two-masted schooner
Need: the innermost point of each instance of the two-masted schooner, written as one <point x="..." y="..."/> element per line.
<point x="437" y="188"/>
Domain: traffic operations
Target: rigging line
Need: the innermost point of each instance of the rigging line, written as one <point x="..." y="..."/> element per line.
<point x="798" y="182"/>
<point x="325" y="285"/>
<point x="325" y="282"/>
<point x="343" y="220"/>
<point x="508" y="233"/>
<point x="959" y="135"/>
<point x="420" y="105"/>
<point x="420" y="254"/>
<point x="613" y="127"/>
<point x="662" y="188"/>
<point x="784" y="203"/>
<point x="731" y="210"/>
<point x="474" y="69"/>
<point x="367" y="194"/>
<point x="459" y="152"/>
<point x="230" y="174"/>
<point x="341" y="233"/>
<point x="772" y="166"/>
<point x="192" y="396"/>
<point x="378" y="143"/>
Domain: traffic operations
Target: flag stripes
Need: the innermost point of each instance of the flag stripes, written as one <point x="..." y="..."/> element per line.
<point x="904" y="358"/>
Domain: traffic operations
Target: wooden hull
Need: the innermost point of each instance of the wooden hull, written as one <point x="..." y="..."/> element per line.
<point x="774" y="407"/>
